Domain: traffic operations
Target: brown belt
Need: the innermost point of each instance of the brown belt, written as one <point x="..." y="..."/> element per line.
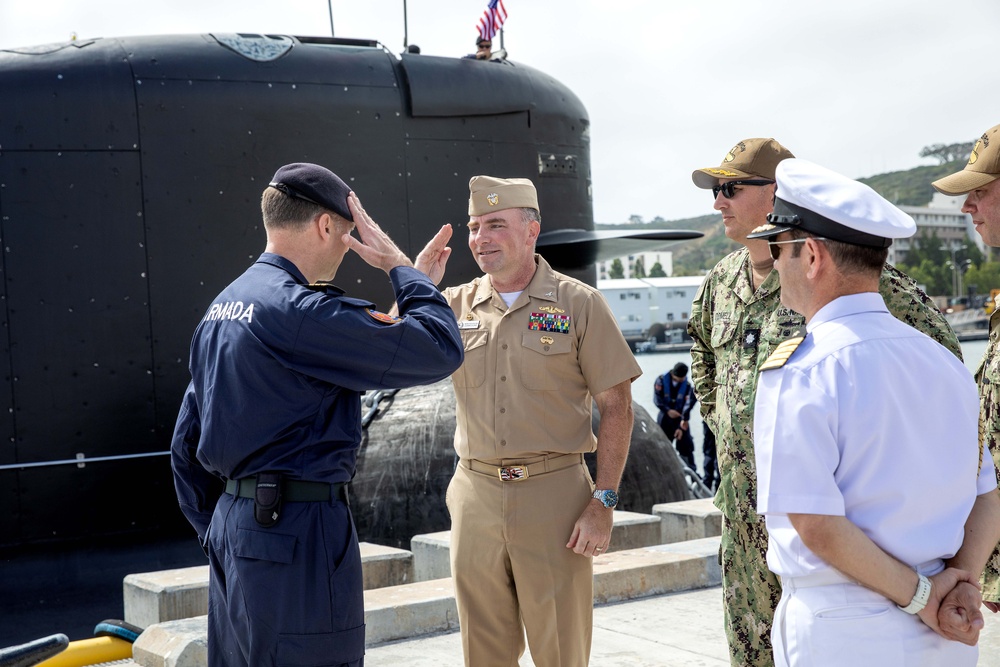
<point x="522" y="471"/>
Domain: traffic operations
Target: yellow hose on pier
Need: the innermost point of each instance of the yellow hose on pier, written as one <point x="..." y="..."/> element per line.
<point x="90" y="652"/>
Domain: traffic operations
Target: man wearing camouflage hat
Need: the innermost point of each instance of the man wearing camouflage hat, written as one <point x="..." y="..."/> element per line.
<point x="844" y="460"/>
<point x="737" y="320"/>
<point x="979" y="182"/>
<point x="541" y="348"/>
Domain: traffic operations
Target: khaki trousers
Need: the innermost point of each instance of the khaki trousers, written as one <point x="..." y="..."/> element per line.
<point x="512" y="571"/>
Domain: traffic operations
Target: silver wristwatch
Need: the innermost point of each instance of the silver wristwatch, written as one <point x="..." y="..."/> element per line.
<point x="607" y="497"/>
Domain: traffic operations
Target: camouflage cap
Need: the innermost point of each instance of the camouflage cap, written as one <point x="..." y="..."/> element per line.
<point x="488" y="193"/>
<point x="750" y="158"/>
<point x="983" y="166"/>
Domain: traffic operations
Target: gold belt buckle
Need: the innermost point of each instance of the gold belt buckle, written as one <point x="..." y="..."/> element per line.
<point x="513" y="473"/>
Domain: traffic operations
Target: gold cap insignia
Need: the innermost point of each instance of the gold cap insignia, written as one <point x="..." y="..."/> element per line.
<point x="974" y="155"/>
<point x="731" y="155"/>
<point x="723" y="172"/>
<point x="492" y="199"/>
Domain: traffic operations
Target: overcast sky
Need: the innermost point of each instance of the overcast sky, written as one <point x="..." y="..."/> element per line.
<point x="859" y="86"/>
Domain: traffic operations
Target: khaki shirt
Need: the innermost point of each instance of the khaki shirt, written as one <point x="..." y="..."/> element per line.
<point x="735" y="328"/>
<point x="530" y="373"/>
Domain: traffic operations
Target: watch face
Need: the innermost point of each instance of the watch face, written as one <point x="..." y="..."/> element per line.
<point x="609" y="498"/>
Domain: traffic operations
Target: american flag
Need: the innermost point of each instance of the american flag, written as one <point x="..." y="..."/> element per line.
<point x="492" y="20"/>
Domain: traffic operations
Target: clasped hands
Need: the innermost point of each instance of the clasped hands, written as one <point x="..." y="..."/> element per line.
<point x="953" y="610"/>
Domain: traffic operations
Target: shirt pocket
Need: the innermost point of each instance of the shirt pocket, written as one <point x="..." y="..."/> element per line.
<point x="472" y="372"/>
<point x="723" y="331"/>
<point x="543" y="356"/>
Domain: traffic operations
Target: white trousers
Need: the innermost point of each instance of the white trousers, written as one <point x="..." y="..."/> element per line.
<point x="847" y="624"/>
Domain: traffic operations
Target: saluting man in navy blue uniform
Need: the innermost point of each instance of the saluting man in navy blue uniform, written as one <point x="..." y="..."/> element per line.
<point x="269" y="428"/>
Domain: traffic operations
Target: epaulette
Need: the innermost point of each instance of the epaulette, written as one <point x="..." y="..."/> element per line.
<point x="784" y="350"/>
<point x="323" y="286"/>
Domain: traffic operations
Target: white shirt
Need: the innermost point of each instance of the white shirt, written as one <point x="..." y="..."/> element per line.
<point x="872" y="420"/>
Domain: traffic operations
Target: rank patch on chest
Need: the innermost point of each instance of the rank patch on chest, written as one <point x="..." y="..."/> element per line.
<point x="549" y="322"/>
<point x="385" y="318"/>
<point x="750" y="338"/>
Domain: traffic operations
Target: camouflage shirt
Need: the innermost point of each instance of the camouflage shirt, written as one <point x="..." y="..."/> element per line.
<point x="988" y="379"/>
<point x="735" y="328"/>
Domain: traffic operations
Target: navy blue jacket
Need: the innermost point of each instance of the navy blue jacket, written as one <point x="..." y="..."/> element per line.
<point x="277" y="370"/>
<point x="683" y="398"/>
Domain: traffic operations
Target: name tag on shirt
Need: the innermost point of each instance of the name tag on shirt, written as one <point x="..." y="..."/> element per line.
<point x="473" y="324"/>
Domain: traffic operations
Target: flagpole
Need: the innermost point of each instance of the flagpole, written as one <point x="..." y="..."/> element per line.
<point x="329" y="4"/>
<point x="501" y="38"/>
<point x="406" y="34"/>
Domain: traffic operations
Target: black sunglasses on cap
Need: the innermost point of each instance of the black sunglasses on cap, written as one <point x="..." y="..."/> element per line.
<point x="728" y="189"/>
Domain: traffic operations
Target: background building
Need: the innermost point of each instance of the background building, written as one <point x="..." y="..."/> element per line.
<point x="639" y="303"/>
<point x="943" y="217"/>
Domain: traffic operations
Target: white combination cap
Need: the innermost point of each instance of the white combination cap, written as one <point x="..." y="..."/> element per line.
<point x="822" y="202"/>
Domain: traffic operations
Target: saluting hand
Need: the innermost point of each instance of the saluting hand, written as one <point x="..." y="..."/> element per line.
<point x="433" y="258"/>
<point x="374" y="246"/>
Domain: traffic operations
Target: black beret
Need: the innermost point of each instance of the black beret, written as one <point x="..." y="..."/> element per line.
<point x="315" y="184"/>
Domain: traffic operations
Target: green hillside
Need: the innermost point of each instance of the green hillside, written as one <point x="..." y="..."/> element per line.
<point x="911" y="187"/>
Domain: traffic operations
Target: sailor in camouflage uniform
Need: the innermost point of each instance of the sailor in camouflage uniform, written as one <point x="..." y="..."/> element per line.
<point x="736" y="322"/>
<point x="979" y="181"/>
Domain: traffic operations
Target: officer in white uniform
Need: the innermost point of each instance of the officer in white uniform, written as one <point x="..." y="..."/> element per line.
<point x="880" y="502"/>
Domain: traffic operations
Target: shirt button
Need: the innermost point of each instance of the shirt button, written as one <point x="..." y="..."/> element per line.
<point x="503" y="443"/>
<point x="503" y="410"/>
<point x="504" y="346"/>
<point x="503" y="378"/>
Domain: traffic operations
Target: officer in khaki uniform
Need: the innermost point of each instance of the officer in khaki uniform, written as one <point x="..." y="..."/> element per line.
<point x="736" y="322"/>
<point x="979" y="181"/>
<point x="527" y="519"/>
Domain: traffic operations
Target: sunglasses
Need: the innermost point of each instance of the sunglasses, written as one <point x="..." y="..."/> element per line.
<point x="728" y="189"/>
<point x="775" y="246"/>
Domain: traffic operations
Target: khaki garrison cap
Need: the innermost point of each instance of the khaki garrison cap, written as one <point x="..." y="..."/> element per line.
<point x="982" y="169"/>
<point x="751" y="158"/>
<point x="822" y="202"/>
<point x="488" y="193"/>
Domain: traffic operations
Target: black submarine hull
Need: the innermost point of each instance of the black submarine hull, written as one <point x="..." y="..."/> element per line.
<point x="130" y="177"/>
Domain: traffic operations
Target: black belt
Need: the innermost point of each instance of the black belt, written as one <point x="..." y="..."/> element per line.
<point x="292" y="490"/>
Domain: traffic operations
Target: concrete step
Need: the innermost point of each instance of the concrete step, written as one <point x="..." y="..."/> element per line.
<point x="688" y="520"/>
<point x="168" y="595"/>
<point x="426" y="607"/>
<point x="671" y="522"/>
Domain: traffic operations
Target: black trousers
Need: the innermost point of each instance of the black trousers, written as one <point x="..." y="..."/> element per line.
<point x="683" y="444"/>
